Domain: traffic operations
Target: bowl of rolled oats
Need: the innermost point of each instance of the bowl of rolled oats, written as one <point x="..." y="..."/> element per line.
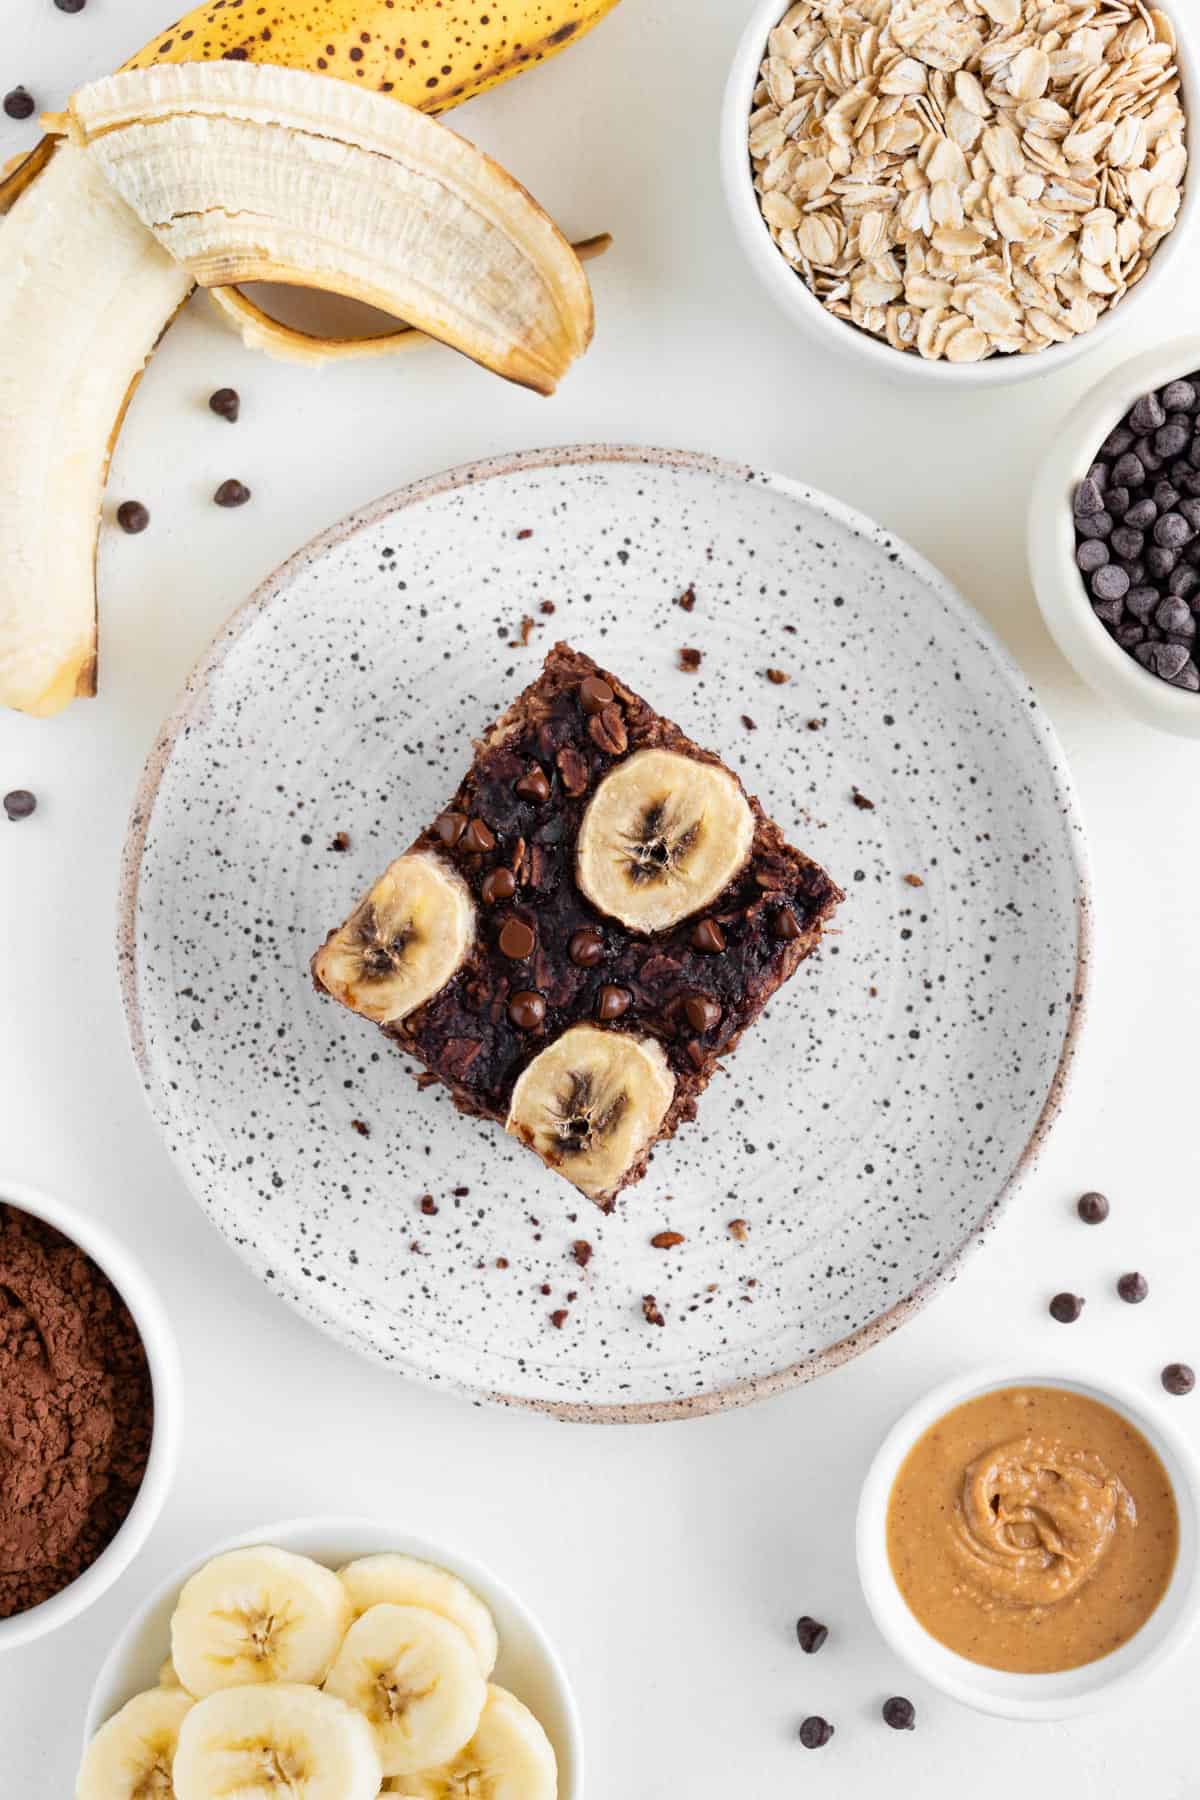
<point x="947" y="187"/>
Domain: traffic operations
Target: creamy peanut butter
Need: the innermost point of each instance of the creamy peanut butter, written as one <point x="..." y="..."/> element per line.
<point x="1032" y="1529"/>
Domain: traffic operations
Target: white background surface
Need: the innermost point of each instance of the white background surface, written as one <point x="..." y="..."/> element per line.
<point x="668" y="1563"/>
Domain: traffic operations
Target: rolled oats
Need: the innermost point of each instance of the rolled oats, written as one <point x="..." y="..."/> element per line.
<point x="969" y="178"/>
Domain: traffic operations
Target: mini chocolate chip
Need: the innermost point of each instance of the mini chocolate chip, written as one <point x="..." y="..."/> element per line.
<point x="1088" y="498"/>
<point x="611" y="1002"/>
<point x="607" y="731"/>
<point x="500" y="884"/>
<point x="226" y="403"/>
<point x="1142" y="602"/>
<point x="1164" y="660"/>
<point x="1066" y="1308"/>
<point x="1147" y="413"/>
<point x="815" y="1732"/>
<point x="702" y="1013"/>
<point x="1179" y="1378"/>
<point x="70" y="6"/>
<point x="784" y="924"/>
<point x="132" y="516"/>
<point x="1091" y="555"/>
<point x="899" y="1713"/>
<point x="1128" y="470"/>
<point x="708" y="937"/>
<point x="1109" y="612"/>
<point x="450" y="827"/>
<point x="1179" y="397"/>
<point x="1096" y="525"/>
<point x="1143" y="513"/>
<point x="1127" y="542"/>
<point x="697" y="1055"/>
<point x="1174" y="616"/>
<point x="1165" y="496"/>
<point x="811" y="1634"/>
<point x="478" y="836"/>
<point x="1133" y="1288"/>
<point x="534" y="785"/>
<point x="585" y="948"/>
<point x="232" y="493"/>
<point x="1173" y="438"/>
<point x="1183" y="582"/>
<point x="20" y="104"/>
<point x="1130" y="635"/>
<point x="527" y="1010"/>
<point x="1118" y="441"/>
<point x="595" y="694"/>
<point x="1188" y="678"/>
<point x="1160" y="562"/>
<point x="1110" y="583"/>
<point x="1172" y="531"/>
<point x="20" y="804"/>
<point x="1092" y="1208"/>
<point x="516" y="940"/>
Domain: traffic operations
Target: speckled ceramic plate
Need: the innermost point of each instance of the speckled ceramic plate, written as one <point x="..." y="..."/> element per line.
<point x="867" y="1129"/>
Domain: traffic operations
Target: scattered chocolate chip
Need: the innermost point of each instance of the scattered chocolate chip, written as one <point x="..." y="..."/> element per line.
<point x="340" y="842"/>
<point x="595" y="694"/>
<point x="70" y="6"/>
<point x="690" y="659"/>
<point x="450" y="827"/>
<point x="708" y="937"/>
<point x="1179" y="1378"/>
<point x="527" y="1010"/>
<point x="534" y="785"/>
<point x="739" y="1229"/>
<point x="811" y="1634"/>
<point x="611" y="1002"/>
<point x="1066" y="1308"/>
<point x="702" y="1013"/>
<point x="558" y="1319"/>
<point x="20" y="104"/>
<point x="361" y="1126"/>
<point x="784" y="924"/>
<point x="607" y="731"/>
<point x="585" y="948"/>
<point x="815" y="1732"/>
<point x="517" y="940"/>
<point x="650" y="1311"/>
<point x="20" y="804"/>
<point x="748" y="722"/>
<point x="778" y="676"/>
<point x="1133" y="1288"/>
<point x="666" y="1240"/>
<point x="1092" y="1208"/>
<point x="133" y="517"/>
<point x="573" y="770"/>
<point x="581" y="1250"/>
<point x="899" y="1713"/>
<point x="429" y="1206"/>
<point x="687" y="599"/>
<point x="499" y="884"/>
<point x="861" y="801"/>
<point x="226" y="403"/>
<point x="478" y="836"/>
<point x="232" y="493"/>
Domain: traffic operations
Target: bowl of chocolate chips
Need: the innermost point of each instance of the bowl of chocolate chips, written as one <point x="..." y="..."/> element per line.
<point x="1114" y="537"/>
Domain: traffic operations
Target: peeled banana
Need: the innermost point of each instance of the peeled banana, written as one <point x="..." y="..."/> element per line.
<point x="509" y="1758"/>
<point x="255" y="1616"/>
<point x="662" y="836"/>
<point x="589" y="1104"/>
<point x="415" y="1677"/>
<point x="283" y="1742"/>
<point x="132" y="1756"/>
<point x="402" y="943"/>
<point x="391" y="1579"/>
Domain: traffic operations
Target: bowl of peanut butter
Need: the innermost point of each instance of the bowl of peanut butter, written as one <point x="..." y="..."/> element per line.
<point x="1029" y="1542"/>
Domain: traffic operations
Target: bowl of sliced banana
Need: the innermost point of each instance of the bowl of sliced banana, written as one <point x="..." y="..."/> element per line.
<point x="336" y="1659"/>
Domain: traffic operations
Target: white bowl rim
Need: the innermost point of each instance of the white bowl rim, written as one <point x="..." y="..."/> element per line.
<point x="1059" y="586"/>
<point x="162" y="1356"/>
<point x="290" y="1534"/>
<point x="1029" y="1697"/>
<point x="790" y="293"/>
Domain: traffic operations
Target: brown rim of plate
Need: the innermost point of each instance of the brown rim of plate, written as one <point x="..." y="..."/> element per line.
<point x="193" y="700"/>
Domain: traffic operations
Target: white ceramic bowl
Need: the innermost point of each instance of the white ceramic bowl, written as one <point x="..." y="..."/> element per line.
<point x="528" y="1664"/>
<point x="790" y="293"/>
<point x="1060" y="589"/>
<point x="150" y="1318"/>
<point x="1031" y="1697"/>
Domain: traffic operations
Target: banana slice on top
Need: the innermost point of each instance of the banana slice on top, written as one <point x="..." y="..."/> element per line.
<point x="131" y="1757"/>
<point x="590" y="1103"/>
<point x="395" y="1580"/>
<point x="254" y="1616"/>
<point x="283" y="1742"/>
<point x="415" y="1677"/>
<point x="402" y="943"/>
<point x="509" y="1758"/>
<point x="663" y="834"/>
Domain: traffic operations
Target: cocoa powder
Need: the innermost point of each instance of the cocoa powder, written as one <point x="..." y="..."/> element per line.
<point x="76" y="1411"/>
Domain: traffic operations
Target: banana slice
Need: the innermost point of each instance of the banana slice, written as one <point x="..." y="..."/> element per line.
<point x="590" y="1103"/>
<point x="257" y="1615"/>
<point x="509" y="1758"/>
<point x="662" y="836"/>
<point x="402" y="943"/>
<point x="395" y="1580"/>
<point x="131" y="1757"/>
<point x="283" y="1742"/>
<point x="245" y="172"/>
<point x="168" y="1676"/>
<point x="415" y="1676"/>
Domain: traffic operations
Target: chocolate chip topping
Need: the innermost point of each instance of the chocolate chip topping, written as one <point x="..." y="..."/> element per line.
<point x="226" y="403"/>
<point x="527" y="1010"/>
<point x="595" y="694"/>
<point x="232" y="493"/>
<point x="784" y="924"/>
<point x="1066" y="1308"/>
<point x="20" y="804"/>
<point x="450" y="827"/>
<point x="500" y="884"/>
<point x="815" y="1732"/>
<point x="534" y="785"/>
<point x="1179" y="1378"/>
<point x="478" y="836"/>
<point x="811" y="1634"/>
<point x="133" y="517"/>
<point x="20" y="104"/>
<point x="1133" y="1288"/>
<point x="1092" y="1208"/>
<point x="708" y="937"/>
<point x="516" y="939"/>
<point x="611" y="1002"/>
<point x="586" y="948"/>
<point x="702" y="1013"/>
<point x="899" y="1713"/>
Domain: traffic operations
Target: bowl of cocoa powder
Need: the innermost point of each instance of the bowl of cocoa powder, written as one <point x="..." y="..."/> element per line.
<point x="89" y="1412"/>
